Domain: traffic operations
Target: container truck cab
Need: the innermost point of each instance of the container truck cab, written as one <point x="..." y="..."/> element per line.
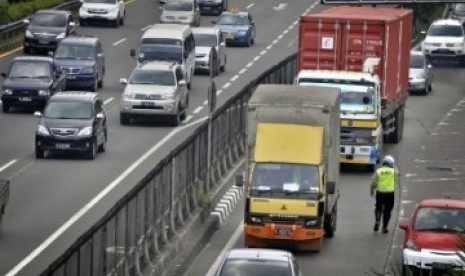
<point x="293" y="168"/>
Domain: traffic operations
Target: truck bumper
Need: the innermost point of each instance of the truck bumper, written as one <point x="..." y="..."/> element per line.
<point x="354" y="154"/>
<point x="284" y="236"/>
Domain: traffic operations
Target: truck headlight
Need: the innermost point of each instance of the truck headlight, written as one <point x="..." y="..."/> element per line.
<point x="43" y="131"/>
<point x="29" y="34"/>
<point x="256" y="220"/>
<point x="87" y="131"/>
<point x="311" y="222"/>
<point x="242" y="32"/>
<point x="44" y="92"/>
<point x="87" y="70"/>
<point x="7" y="91"/>
<point x="61" y="36"/>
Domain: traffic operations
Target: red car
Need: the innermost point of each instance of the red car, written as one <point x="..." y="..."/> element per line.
<point x="431" y="240"/>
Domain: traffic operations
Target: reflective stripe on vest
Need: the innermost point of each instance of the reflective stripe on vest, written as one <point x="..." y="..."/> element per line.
<point x="385" y="179"/>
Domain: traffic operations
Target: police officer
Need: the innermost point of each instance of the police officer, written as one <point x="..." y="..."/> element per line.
<point x="384" y="182"/>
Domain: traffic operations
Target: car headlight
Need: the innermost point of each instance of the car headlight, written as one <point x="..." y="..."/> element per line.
<point x="61" y="36"/>
<point x="41" y="130"/>
<point x="44" y="92"/>
<point x="7" y="91"/>
<point x="412" y="245"/>
<point x="255" y="220"/>
<point x="29" y="34"/>
<point x="458" y="45"/>
<point x="169" y="96"/>
<point x="87" y="131"/>
<point x="426" y="44"/>
<point x="420" y="76"/>
<point x="311" y="222"/>
<point x="242" y="32"/>
<point x="87" y="70"/>
<point x="112" y="9"/>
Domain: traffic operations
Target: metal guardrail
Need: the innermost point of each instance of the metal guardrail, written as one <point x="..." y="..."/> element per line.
<point x="139" y="227"/>
<point x="12" y="35"/>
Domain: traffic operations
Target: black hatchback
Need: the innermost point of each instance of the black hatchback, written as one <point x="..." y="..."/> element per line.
<point x="72" y="122"/>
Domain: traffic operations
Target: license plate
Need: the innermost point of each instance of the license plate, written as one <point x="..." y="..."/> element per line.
<point x="41" y="41"/>
<point x="283" y="231"/>
<point x="146" y="103"/>
<point x="229" y="36"/>
<point x="25" y="99"/>
<point x="62" y="146"/>
<point x="207" y="8"/>
<point x="71" y="77"/>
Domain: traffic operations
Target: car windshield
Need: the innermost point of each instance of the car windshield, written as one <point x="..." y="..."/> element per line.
<point x="417" y="61"/>
<point x="71" y="51"/>
<point x="445" y="30"/>
<point x="274" y="179"/>
<point x="68" y="110"/>
<point x="246" y="267"/>
<point x="440" y="220"/>
<point x="49" y="20"/>
<point x="459" y="7"/>
<point x="101" y="1"/>
<point x="28" y="69"/>
<point x="355" y="98"/>
<point x="178" y="6"/>
<point x="157" y="77"/>
<point x="232" y="20"/>
<point x="208" y="40"/>
<point x="163" y="52"/>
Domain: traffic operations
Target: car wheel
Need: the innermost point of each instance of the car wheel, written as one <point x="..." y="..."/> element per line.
<point x="92" y="151"/>
<point x="40" y="153"/>
<point x="5" y="107"/>
<point x="82" y="22"/>
<point x="94" y="86"/>
<point x="176" y="118"/>
<point x="100" y="82"/>
<point x="124" y="119"/>
<point x="121" y="20"/>
<point x="103" y="146"/>
<point x="116" y="22"/>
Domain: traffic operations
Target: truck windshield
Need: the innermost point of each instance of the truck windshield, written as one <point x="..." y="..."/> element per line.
<point x="160" y="49"/>
<point x="355" y="98"/>
<point x="276" y="180"/>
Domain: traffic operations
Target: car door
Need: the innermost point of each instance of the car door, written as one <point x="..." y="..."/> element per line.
<point x="181" y="90"/>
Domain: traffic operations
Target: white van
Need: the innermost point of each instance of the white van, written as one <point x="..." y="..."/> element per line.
<point x="169" y="42"/>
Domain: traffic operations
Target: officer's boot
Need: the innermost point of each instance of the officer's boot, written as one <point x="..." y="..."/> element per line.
<point x="386" y="218"/>
<point x="377" y="220"/>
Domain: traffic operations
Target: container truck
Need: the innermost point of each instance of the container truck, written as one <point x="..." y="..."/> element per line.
<point x="292" y="174"/>
<point x="365" y="52"/>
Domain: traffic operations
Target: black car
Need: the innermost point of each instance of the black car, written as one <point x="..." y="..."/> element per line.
<point x="82" y="58"/>
<point x="30" y="81"/>
<point x="72" y="121"/>
<point x="46" y="28"/>
<point x="213" y="6"/>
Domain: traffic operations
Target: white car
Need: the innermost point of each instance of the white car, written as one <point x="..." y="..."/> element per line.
<point x="445" y="38"/>
<point x="420" y="76"/>
<point x="155" y="89"/>
<point x="113" y="11"/>
<point x="181" y="12"/>
<point x="205" y="39"/>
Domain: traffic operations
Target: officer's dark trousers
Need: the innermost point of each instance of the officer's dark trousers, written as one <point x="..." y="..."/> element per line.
<point x="383" y="206"/>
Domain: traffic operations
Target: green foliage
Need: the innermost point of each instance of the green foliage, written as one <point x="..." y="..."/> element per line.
<point x="4" y="12"/>
<point x="13" y="11"/>
<point x="427" y="13"/>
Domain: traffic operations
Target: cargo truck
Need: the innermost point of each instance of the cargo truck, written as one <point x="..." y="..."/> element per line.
<point x="292" y="174"/>
<point x="365" y="52"/>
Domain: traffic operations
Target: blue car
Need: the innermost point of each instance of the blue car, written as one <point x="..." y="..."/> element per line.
<point x="238" y="27"/>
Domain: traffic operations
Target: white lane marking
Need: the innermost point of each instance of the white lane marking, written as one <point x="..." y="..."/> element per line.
<point x="280" y="36"/>
<point x="269" y="47"/>
<point x="256" y="58"/>
<point x="234" y="78"/>
<point x="107" y="101"/>
<point x="119" y="41"/>
<point x="218" y="92"/>
<point x="4" y="167"/>
<point x="205" y="102"/>
<point x="242" y="71"/>
<point x="197" y="110"/>
<point x="146" y="27"/>
<point x="226" y="249"/>
<point x="295" y="23"/>
<point x="286" y="31"/>
<point x="249" y="64"/>
<point x="280" y="7"/>
<point x="249" y="6"/>
<point x="434" y="179"/>
<point x="188" y="118"/>
<point x="291" y="42"/>
<point x="262" y="53"/>
<point x="226" y="85"/>
<point x="274" y="41"/>
<point x="20" y="266"/>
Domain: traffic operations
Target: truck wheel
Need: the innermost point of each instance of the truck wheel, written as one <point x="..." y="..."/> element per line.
<point x="397" y="134"/>
<point x="330" y="224"/>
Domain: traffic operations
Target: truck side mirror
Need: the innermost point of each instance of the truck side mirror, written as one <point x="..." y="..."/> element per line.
<point x="239" y="180"/>
<point x="331" y="187"/>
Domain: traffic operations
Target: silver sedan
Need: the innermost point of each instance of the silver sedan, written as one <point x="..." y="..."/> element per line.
<point x="420" y="77"/>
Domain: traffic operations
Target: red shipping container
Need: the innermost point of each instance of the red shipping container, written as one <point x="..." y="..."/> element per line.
<point x="342" y="38"/>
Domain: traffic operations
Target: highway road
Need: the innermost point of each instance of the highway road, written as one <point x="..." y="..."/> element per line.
<point x="45" y="193"/>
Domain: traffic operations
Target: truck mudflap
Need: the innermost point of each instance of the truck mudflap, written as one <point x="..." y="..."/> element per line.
<point x="275" y="235"/>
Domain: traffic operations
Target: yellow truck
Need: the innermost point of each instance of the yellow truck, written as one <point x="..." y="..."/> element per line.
<point x="292" y="174"/>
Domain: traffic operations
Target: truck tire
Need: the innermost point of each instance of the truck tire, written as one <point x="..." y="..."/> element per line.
<point x="397" y="134"/>
<point x="330" y="224"/>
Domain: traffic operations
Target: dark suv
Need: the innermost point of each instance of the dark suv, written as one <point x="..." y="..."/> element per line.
<point x="46" y="28"/>
<point x="30" y="81"/>
<point x="72" y="122"/>
<point x="81" y="57"/>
